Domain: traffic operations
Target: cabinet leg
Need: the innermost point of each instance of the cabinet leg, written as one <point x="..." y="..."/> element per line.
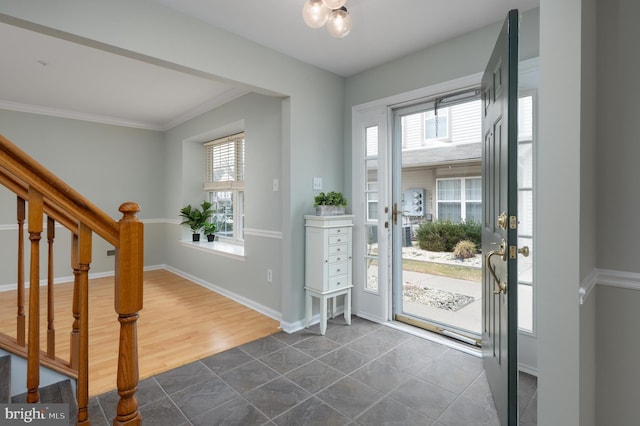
<point x="323" y="315"/>
<point x="347" y="307"/>
<point x="308" y="300"/>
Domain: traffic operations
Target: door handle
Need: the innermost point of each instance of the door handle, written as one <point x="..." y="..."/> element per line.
<point x="501" y="286"/>
<point x="395" y="213"/>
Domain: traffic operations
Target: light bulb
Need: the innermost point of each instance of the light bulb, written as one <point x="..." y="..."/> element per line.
<point x="334" y="4"/>
<point x="315" y="14"/>
<point x="339" y="23"/>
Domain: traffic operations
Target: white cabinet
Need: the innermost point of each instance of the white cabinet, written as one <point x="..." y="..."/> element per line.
<point x="328" y="250"/>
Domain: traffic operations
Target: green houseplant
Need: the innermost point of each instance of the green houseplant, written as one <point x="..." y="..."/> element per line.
<point x="209" y="229"/>
<point x="330" y="204"/>
<point x="196" y="218"/>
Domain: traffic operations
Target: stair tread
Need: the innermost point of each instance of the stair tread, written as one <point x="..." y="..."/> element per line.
<point x="56" y="393"/>
<point x="5" y="379"/>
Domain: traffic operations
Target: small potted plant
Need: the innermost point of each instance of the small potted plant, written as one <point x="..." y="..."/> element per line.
<point x="195" y="218"/>
<point x="330" y="204"/>
<point x="209" y="230"/>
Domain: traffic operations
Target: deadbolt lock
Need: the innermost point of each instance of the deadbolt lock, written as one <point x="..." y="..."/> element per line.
<point x="502" y="220"/>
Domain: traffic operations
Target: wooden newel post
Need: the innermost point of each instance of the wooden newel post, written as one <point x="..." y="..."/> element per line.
<point x="128" y="302"/>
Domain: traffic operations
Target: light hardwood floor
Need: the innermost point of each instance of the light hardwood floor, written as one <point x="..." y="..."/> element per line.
<point x="180" y="323"/>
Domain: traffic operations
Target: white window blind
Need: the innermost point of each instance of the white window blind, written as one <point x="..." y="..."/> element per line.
<point x="224" y="163"/>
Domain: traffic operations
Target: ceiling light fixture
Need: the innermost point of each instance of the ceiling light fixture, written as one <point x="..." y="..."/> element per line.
<point x="332" y="13"/>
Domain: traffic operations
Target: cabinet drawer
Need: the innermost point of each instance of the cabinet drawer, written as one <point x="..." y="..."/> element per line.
<point x="338" y="239"/>
<point x="338" y="249"/>
<point x="338" y="281"/>
<point x="338" y="268"/>
<point x="338" y="231"/>
<point x="337" y="258"/>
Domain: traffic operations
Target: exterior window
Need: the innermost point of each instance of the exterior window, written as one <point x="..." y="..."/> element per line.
<point x="436" y="126"/>
<point x="224" y="181"/>
<point x="459" y="199"/>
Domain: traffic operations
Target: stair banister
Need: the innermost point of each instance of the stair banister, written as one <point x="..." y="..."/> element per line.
<point x="48" y="195"/>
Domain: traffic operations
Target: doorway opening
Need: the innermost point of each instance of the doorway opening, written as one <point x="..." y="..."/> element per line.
<point x="437" y="168"/>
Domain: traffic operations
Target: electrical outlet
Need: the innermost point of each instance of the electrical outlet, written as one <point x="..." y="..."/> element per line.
<point x="275" y="184"/>
<point x="269" y="275"/>
<point x="111" y="252"/>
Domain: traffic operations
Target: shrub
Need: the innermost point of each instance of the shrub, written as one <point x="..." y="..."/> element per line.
<point x="465" y="249"/>
<point x="444" y="235"/>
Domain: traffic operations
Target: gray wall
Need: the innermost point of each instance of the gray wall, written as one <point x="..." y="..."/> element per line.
<point x="261" y="118"/>
<point x="618" y="151"/>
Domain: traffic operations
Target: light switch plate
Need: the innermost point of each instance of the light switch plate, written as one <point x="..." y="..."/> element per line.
<point x="317" y="184"/>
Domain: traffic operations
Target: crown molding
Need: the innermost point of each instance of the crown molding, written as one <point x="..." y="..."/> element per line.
<point x="223" y="98"/>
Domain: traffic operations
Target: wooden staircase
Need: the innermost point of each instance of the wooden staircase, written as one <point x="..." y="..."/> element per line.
<point x="41" y="198"/>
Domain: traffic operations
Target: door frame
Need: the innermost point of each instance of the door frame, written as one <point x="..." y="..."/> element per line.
<point x="527" y="341"/>
<point x="379" y="309"/>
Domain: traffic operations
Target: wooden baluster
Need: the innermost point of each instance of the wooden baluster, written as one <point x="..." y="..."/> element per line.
<point x="84" y="263"/>
<point x="36" y="206"/>
<point x="51" y="332"/>
<point x="20" y="320"/>
<point x="74" y="347"/>
<point x="128" y="302"/>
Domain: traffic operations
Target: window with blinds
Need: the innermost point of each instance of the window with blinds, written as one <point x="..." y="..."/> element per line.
<point x="225" y="163"/>
<point x="224" y="181"/>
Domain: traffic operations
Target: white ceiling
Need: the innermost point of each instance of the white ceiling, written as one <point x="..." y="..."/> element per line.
<point x="53" y="76"/>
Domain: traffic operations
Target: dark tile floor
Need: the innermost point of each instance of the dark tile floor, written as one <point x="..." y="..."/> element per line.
<point x="363" y="374"/>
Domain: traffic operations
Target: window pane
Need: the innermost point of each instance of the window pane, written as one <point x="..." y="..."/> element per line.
<point x="473" y="189"/>
<point x="240" y="215"/>
<point x="525" y="118"/>
<point x="473" y="212"/>
<point x="525" y="307"/>
<point x="371" y="258"/>
<point x="223" y="217"/>
<point x="525" y="264"/>
<point x="412" y="137"/>
<point x="450" y="211"/>
<point x="372" y="190"/>
<point x="525" y="212"/>
<point x="449" y="190"/>
<point x="525" y="165"/>
<point x="436" y="127"/>
<point x="371" y="141"/>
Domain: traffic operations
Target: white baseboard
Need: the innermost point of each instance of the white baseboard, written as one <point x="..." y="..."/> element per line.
<point x="231" y="295"/>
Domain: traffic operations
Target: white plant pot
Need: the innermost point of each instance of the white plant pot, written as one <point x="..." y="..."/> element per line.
<point x="329" y="210"/>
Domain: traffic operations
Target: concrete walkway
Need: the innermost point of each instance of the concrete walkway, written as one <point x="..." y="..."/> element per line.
<point x="467" y="318"/>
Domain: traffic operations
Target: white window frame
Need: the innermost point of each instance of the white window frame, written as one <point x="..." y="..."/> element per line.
<point x="463" y="201"/>
<point x="233" y="182"/>
<point x="430" y="115"/>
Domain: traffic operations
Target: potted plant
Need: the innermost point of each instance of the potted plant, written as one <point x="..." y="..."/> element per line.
<point x="330" y="204"/>
<point x="195" y="218"/>
<point x="209" y="230"/>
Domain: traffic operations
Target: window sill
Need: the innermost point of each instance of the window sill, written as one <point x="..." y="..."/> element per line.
<point x="233" y="251"/>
